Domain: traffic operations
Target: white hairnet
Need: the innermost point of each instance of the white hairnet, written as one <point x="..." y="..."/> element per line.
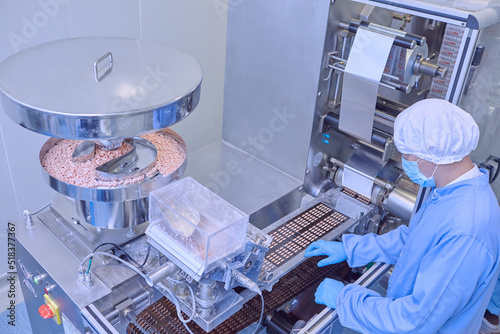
<point x="437" y="131"/>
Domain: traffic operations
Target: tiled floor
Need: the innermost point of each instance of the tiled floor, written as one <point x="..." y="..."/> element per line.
<point x="22" y="324"/>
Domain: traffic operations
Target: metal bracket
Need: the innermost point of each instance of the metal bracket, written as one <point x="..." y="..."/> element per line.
<point x="124" y="309"/>
<point x="98" y="78"/>
<point x="389" y="149"/>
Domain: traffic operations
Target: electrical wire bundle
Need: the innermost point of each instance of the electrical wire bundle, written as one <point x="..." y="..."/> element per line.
<point x="130" y="262"/>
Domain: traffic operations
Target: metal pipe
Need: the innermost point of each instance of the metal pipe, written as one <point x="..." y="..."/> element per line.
<point x="430" y="69"/>
<point x="401" y="86"/>
<point x="337" y="83"/>
<point x="419" y="40"/>
<point x="161" y="273"/>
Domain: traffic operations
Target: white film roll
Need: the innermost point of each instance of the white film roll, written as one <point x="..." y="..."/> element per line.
<point x="362" y="75"/>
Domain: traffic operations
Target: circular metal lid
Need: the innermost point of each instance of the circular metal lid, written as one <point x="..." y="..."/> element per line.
<point x="99" y="87"/>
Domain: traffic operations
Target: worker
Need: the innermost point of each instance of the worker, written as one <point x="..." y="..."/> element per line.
<point x="446" y="261"/>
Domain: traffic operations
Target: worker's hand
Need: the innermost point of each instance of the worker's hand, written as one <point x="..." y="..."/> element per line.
<point x="328" y="291"/>
<point x="333" y="249"/>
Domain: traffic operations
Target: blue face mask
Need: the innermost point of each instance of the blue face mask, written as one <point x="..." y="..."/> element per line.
<point x="411" y="169"/>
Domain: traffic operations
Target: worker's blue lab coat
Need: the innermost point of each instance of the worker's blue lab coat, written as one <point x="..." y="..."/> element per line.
<point x="494" y="304"/>
<point x="446" y="266"/>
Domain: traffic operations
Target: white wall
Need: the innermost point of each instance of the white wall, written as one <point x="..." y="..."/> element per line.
<point x="197" y="27"/>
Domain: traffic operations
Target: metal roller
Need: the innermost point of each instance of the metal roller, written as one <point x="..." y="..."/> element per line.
<point x="398" y="201"/>
<point x="378" y="138"/>
<point x="408" y="41"/>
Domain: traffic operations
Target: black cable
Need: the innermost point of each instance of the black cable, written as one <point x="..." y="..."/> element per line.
<point x="130" y="259"/>
<point x="147" y="256"/>
<point x="45" y="206"/>
<point x="120" y="248"/>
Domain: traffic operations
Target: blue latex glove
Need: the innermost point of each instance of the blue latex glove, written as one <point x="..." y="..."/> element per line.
<point x="333" y="249"/>
<point x="328" y="291"/>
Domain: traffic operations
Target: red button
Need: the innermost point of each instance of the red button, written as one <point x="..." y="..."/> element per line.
<point x="45" y="311"/>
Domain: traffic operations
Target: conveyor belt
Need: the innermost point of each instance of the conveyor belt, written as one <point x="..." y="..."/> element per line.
<point x="161" y="316"/>
<point x="296" y="234"/>
<point x="355" y="195"/>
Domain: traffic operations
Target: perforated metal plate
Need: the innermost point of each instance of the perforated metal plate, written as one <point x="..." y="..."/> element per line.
<point x="357" y="196"/>
<point x="296" y="234"/>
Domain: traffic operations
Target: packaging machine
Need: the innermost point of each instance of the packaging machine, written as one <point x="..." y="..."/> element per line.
<point x="215" y="242"/>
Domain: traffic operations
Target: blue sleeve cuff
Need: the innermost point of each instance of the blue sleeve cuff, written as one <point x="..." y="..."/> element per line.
<point x="350" y="241"/>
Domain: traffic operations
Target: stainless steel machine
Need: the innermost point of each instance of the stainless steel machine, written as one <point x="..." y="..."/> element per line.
<point x="312" y="89"/>
<point x="106" y="103"/>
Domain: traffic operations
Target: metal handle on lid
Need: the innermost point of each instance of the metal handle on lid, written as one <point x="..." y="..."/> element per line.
<point x="98" y="78"/>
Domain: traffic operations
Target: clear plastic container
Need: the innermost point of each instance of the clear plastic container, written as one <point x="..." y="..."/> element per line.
<point x="195" y="225"/>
